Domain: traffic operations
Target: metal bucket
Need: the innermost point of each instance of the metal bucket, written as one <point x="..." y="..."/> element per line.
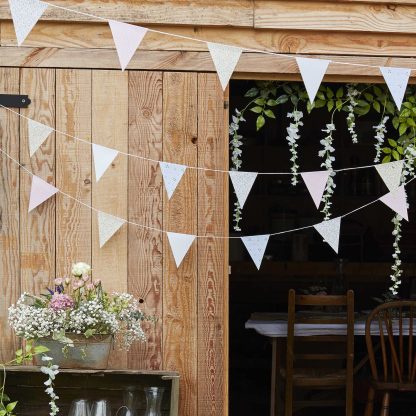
<point x="87" y="353"/>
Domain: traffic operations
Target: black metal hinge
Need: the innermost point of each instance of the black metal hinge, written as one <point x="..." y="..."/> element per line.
<point x="15" y="101"/>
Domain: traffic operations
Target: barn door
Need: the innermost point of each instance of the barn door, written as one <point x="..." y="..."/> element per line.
<point x="176" y="117"/>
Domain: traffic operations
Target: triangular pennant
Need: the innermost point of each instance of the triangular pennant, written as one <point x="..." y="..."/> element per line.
<point x="312" y="71"/>
<point x="180" y="244"/>
<point x="172" y="175"/>
<point x="225" y="59"/>
<point x="127" y="39"/>
<point x="256" y="246"/>
<point x="316" y="183"/>
<point x="397" y="201"/>
<point x="329" y="230"/>
<point x="391" y="173"/>
<point x="38" y="133"/>
<point x="108" y="225"/>
<point x="242" y="182"/>
<point x="25" y="14"/>
<point x="40" y="192"/>
<point x="103" y="157"/>
<point x="396" y="79"/>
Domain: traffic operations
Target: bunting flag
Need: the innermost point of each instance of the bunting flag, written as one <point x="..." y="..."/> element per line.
<point x="180" y="244"/>
<point x="396" y="79"/>
<point x="25" y="15"/>
<point x="127" y="39"/>
<point x="103" y="157"/>
<point x="38" y="133"/>
<point x="242" y="182"/>
<point x="225" y="60"/>
<point x="391" y="173"/>
<point x="256" y="246"/>
<point x="108" y="225"/>
<point x="312" y="71"/>
<point x="397" y="201"/>
<point x="40" y="192"/>
<point x="316" y="184"/>
<point x="329" y="230"/>
<point x="172" y="174"/>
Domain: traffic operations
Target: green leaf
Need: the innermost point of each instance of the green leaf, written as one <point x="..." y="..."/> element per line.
<point x="386" y="159"/>
<point x="3" y="413"/>
<point x="19" y="352"/>
<point x="294" y="100"/>
<point x="329" y="93"/>
<point x="320" y="95"/>
<point x="405" y="113"/>
<point x="271" y="103"/>
<point x="89" y="333"/>
<point x="287" y="89"/>
<point x="400" y="150"/>
<point x="395" y="155"/>
<point x="386" y="150"/>
<point x="392" y="142"/>
<point x="390" y="107"/>
<point x="369" y="97"/>
<point x="377" y="91"/>
<point x="260" y="101"/>
<point x="282" y="99"/>
<point x="402" y="128"/>
<point x="376" y="106"/>
<point x="330" y="105"/>
<point x="339" y="105"/>
<point x="362" y="103"/>
<point x="256" y="109"/>
<point x="319" y="103"/>
<point x="260" y="122"/>
<point x="11" y="406"/>
<point x="40" y="349"/>
<point x="269" y="113"/>
<point x="340" y="92"/>
<point x="408" y="105"/>
<point x="310" y="106"/>
<point x="410" y="122"/>
<point x="396" y="122"/>
<point x="362" y="110"/>
<point x="252" y="92"/>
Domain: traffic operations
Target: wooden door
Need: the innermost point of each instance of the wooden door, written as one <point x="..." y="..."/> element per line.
<point x="176" y="117"/>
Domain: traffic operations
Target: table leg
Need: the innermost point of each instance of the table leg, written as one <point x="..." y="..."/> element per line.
<point x="274" y="388"/>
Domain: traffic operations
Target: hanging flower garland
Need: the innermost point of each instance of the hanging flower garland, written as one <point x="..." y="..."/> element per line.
<point x="292" y="138"/>
<point x="381" y="131"/>
<point x="352" y="93"/>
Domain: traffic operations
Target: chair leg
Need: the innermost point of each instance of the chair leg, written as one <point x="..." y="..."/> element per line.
<point x="289" y="398"/>
<point x="385" y="404"/>
<point x="369" y="407"/>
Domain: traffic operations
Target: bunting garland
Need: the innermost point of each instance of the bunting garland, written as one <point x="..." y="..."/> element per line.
<point x="172" y="174"/>
<point x="391" y="173"/>
<point x="37" y="133"/>
<point x="40" y="191"/>
<point x="103" y="157"/>
<point x="316" y="184"/>
<point x="108" y="225"/>
<point x="396" y="79"/>
<point x="397" y="201"/>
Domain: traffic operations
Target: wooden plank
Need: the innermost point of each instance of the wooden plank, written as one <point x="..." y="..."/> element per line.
<point x="313" y="15"/>
<point x="37" y="228"/>
<point x="9" y="214"/>
<point x="212" y="253"/>
<point x="145" y="250"/>
<point x="97" y="35"/>
<point x="180" y="215"/>
<point x="109" y="114"/>
<point x="73" y="168"/>
<point x="180" y="12"/>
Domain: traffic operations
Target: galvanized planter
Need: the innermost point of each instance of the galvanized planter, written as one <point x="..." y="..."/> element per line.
<point x="87" y="353"/>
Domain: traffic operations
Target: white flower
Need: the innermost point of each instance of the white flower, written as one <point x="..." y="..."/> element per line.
<point x="80" y="269"/>
<point x="380" y="134"/>
<point x="292" y="138"/>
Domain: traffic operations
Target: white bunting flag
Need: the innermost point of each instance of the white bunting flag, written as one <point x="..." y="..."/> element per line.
<point x="108" y="225"/>
<point x="316" y="184"/>
<point x="38" y="133"/>
<point x="25" y="15"/>
<point x="103" y="157"/>
<point x="180" y="244"/>
<point x="225" y="60"/>
<point x="127" y="39"/>
<point x="397" y="201"/>
<point x="329" y="230"/>
<point x="172" y="175"/>
<point x="242" y="182"/>
<point x="396" y="79"/>
<point x="40" y="192"/>
<point x="312" y="71"/>
<point x="391" y="173"/>
<point x="256" y="246"/>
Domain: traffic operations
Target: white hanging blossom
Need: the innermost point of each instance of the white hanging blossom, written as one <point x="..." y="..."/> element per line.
<point x="236" y="152"/>
<point x="380" y="135"/>
<point x="327" y="153"/>
<point x="292" y="138"/>
<point x="352" y="93"/>
<point x="396" y="268"/>
<point x="51" y="370"/>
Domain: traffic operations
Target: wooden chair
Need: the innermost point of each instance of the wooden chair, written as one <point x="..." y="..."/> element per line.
<point x="324" y="374"/>
<point x="395" y="370"/>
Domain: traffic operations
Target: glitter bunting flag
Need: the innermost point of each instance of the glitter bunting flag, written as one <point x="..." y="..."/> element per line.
<point x="391" y="173"/>
<point x="256" y="246"/>
<point x="103" y="157"/>
<point x="108" y="225"/>
<point x="242" y="182"/>
<point x="172" y="174"/>
<point x="37" y="133"/>
<point x="180" y="244"/>
<point x="330" y="230"/>
<point x="397" y="201"/>
<point x="396" y="79"/>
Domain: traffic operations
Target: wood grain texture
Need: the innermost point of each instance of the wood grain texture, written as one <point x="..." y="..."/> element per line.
<point x="180" y="215"/>
<point x="145" y="255"/>
<point x="37" y="228"/>
<point x="325" y="16"/>
<point x="181" y="12"/>
<point x="73" y="168"/>
<point x="110" y="128"/>
<point x="9" y="214"/>
<point x="212" y="253"/>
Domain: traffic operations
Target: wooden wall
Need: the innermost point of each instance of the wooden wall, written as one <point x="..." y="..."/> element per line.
<point x="177" y="117"/>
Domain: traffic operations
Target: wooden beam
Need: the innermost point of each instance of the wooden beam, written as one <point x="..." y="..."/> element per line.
<point x="177" y="12"/>
<point x="325" y="16"/>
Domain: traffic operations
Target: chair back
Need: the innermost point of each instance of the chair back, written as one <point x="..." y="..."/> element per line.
<point x="390" y="328"/>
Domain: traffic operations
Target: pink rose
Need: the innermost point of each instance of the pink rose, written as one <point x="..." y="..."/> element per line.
<point x="58" y="281"/>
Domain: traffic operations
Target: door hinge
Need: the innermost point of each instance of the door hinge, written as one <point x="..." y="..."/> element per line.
<point x="14" y="100"/>
<point x="226" y="104"/>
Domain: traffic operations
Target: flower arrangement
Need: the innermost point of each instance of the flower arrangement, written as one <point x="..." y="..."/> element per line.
<point x="78" y="305"/>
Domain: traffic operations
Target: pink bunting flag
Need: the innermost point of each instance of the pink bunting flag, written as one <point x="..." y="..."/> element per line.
<point x="316" y="184"/>
<point x="127" y="39"/>
<point x="40" y="192"/>
<point x="397" y="201"/>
